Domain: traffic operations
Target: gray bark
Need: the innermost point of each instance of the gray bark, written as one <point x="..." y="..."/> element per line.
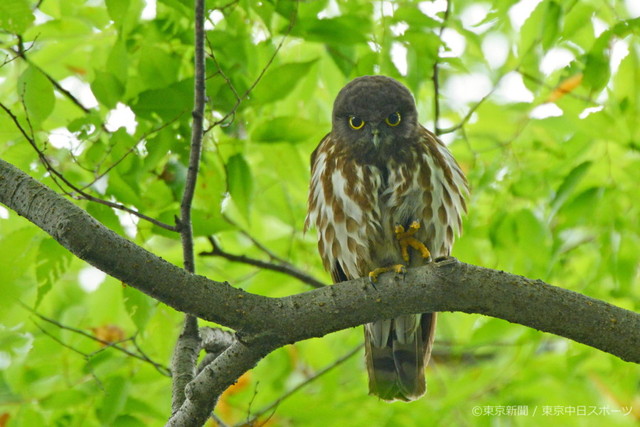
<point x="263" y="324"/>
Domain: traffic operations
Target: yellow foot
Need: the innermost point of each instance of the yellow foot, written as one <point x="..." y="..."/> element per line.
<point x="406" y="239"/>
<point x="397" y="268"/>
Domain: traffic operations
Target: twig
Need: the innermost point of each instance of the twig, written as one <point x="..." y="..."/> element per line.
<point x="218" y="420"/>
<point x="108" y="344"/>
<point x="59" y="341"/>
<point x="56" y="175"/>
<point x="465" y="119"/>
<point x="436" y="69"/>
<point x="185" y="353"/>
<point x="128" y="152"/>
<point x="309" y="380"/>
<point x="273" y="256"/>
<point x="551" y="87"/>
<point x="287" y="268"/>
<point x="54" y="82"/>
<point x="21" y="50"/>
<point x="222" y="73"/>
<point x="185" y="225"/>
<point x="228" y="5"/>
<point x="246" y="93"/>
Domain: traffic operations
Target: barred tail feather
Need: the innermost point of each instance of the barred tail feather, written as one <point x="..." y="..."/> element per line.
<point x="396" y="356"/>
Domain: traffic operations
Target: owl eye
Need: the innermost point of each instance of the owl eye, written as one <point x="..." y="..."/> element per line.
<point x="393" y="119"/>
<point x="356" y="122"/>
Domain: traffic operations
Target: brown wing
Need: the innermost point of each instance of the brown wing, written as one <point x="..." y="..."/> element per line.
<point x="343" y="205"/>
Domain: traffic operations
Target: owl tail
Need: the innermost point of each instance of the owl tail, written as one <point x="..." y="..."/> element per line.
<point x="397" y="352"/>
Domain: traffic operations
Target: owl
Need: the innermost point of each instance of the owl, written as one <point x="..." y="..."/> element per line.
<point x="385" y="195"/>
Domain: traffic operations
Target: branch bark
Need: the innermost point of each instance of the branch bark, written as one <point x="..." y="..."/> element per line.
<point x="185" y="353"/>
<point x="264" y="324"/>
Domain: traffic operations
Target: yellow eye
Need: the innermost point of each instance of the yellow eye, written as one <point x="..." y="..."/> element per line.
<point x="393" y="119"/>
<point x="356" y="122"/>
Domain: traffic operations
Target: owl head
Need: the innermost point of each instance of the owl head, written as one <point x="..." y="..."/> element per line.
<point x="375" y="115"/>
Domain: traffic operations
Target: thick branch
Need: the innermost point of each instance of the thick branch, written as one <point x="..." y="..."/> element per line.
<point x="264" y="324"/>
<point x="215" y="378"/>
<point x="448" y="286"/>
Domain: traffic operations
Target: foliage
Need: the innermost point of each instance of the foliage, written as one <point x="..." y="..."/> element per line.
<point x="540" y="103"/>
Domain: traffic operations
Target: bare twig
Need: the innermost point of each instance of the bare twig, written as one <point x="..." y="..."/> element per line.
<point x="98" y="176"/>
<point x="185" y="226"/>
<point x="108" y="344"/>
<point x="284" y="268"/>
<point x="306" y="382"/>
<point x="241" y="98"/>
<point x="21" y="50"/>
<point x="222" y="73"/>
<point x="59" y="341"/>
<point x="465" y="119"/>
<point x="56" y="175"/>
<point x="54" y="82"/>
<point x="436" y="70"/>
<point x="272" y="255"/>
<point x="552" y="87"/>
<point x="228" y="5"/>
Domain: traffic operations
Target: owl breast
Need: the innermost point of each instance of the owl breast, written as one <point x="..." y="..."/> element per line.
<point x="356" y="205"/>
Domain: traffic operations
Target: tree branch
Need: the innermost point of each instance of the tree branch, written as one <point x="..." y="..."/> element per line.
<point x="263" y="324"/>
<point x="56" y="176"/>
<point x="140" y="355"/>
<point x="436" y="70"/>
<point x="281" y="267"/>
<point x="273" y="405"/>
<point x="246" y="93"/>
<point x="187" y="349"/>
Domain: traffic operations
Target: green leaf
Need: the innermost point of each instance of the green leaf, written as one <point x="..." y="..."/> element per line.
<point x="139" y="306"/>
<point x="157" y="68"/>
<point x="239" y="183"/>
<point x="208" y="222"/>
<point x="531" y="30"/>
<point x="339" y="31"/>
<point x="15" y="15"/>
<point x="61" y="399"/>
<point x="551" y="24"/>
<point x="284" y="129"/>
<point x="107" y="88"/>
<point x="118" y="61"/>
<point x="494" y="331"/>
<point x="569" y="184"/>
<point x="573" y="210"/>
<point x="106" y="216"/>
<point x="128" y="421"/>
<point x="596" y="69"/>
<point x="117" y="9"/>
<point x="278" y="82"/>
<point x="125" y="13"/>
<point x="14" y="345"/>
<point x="53" y="261"/>
<point x="168" y="103"/>
<point x="19" y="247"/>
<point x="123" y="190"/>
<point x="115" y="396"/>
<point x="37" y="93"/>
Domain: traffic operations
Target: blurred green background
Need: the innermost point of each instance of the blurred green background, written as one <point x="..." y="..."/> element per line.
<point x="538" y="100"/>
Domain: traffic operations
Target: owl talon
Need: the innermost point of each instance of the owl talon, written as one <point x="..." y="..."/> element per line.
<point x="406" y="239"/>
<point x="396" y="268"/>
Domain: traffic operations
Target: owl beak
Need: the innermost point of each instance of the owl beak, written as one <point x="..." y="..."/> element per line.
<point x="376" y="137"/>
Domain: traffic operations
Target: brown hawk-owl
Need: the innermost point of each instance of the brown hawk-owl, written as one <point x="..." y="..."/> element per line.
<point x="385" y="193"/>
